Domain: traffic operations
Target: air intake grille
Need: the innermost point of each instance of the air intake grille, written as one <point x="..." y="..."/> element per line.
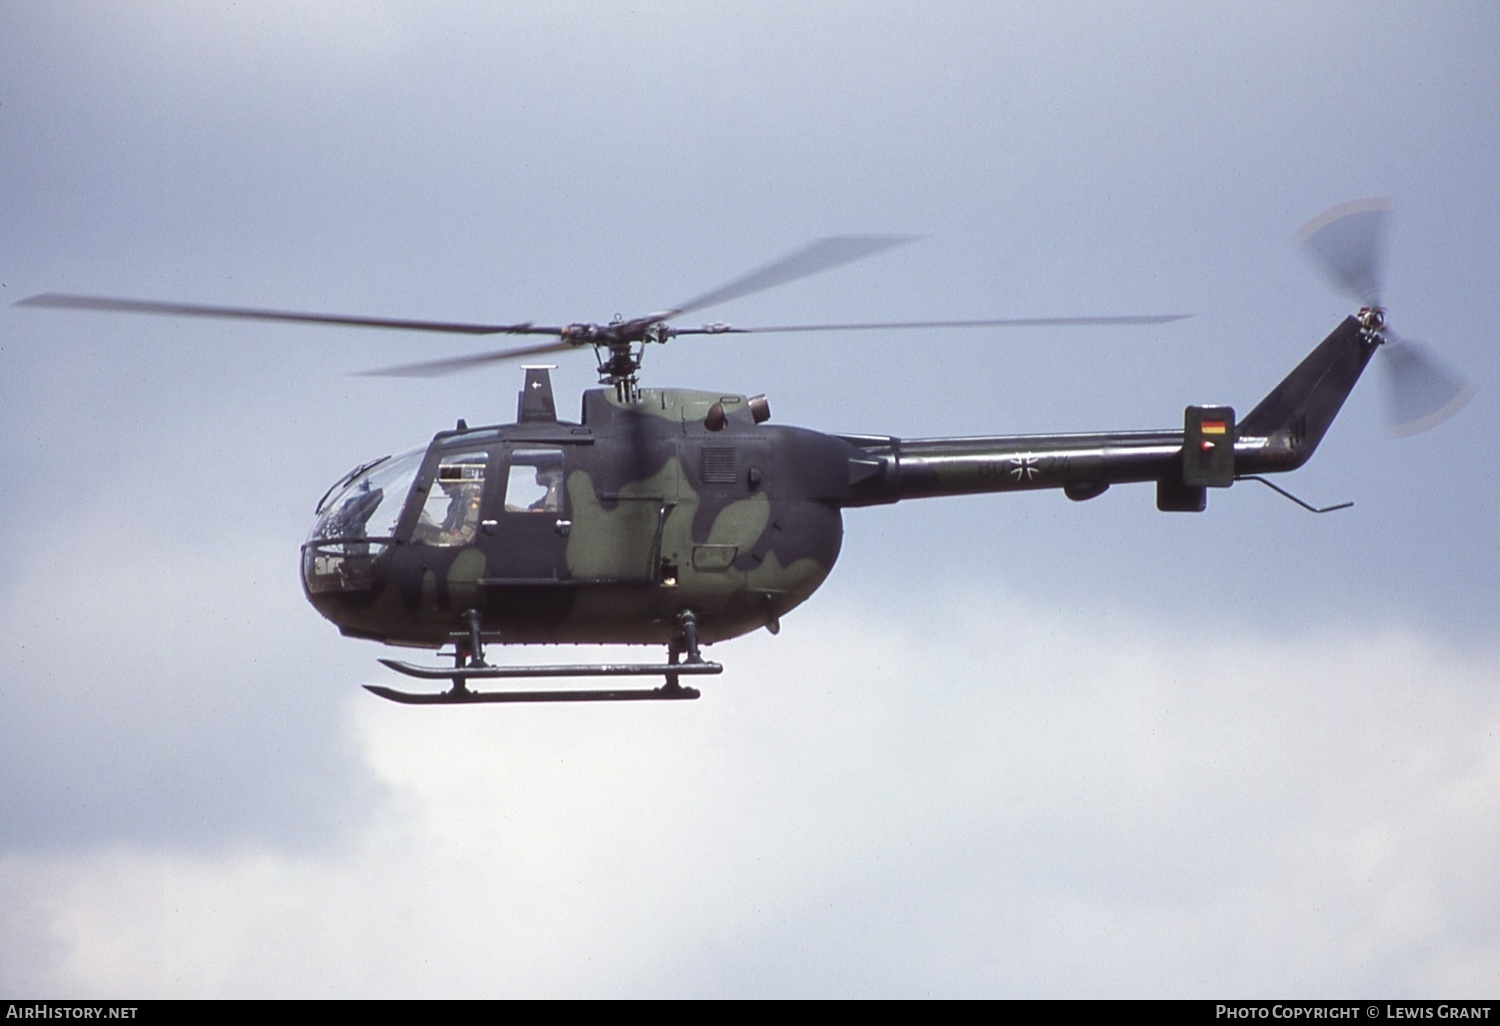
<point x="720" y="464"/>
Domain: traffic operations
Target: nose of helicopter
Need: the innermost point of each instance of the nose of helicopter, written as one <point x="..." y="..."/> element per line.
<point x="357" y="518"/>
<point x="334" y="569"/>
<point x="345" y="582"/>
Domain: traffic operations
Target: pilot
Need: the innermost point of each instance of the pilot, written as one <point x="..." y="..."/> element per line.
<point x="461" y="519"/>
<point x="463" y="513"/>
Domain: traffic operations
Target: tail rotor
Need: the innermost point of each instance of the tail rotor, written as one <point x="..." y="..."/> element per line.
<point x="1348" y="244"/>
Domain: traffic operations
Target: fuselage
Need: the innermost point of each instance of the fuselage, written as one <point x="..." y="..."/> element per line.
<point x="671" y="500"/>
<point x="598" y="531"/>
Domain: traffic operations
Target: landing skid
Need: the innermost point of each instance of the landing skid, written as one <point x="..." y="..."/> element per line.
<point x="470" y="665"/>
<point x="468" y="673"/>
<point x="464" y="696"/>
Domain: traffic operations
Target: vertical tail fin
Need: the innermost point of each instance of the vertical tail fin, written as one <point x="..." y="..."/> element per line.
<point x="1298" y="412"/>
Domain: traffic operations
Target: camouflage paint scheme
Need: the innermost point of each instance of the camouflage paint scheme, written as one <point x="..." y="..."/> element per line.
<point x="680" y="500"/>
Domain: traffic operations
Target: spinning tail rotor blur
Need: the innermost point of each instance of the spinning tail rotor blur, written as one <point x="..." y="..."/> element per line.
<point x="1348" y="244"/>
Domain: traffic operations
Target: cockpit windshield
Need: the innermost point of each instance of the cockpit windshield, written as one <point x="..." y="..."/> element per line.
<point x="357" y="523"/>
<point x="369" y="506"/>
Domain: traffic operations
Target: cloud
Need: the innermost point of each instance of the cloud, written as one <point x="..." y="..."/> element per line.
<point x="984" y="798"/>
<point x="146" y="701"/>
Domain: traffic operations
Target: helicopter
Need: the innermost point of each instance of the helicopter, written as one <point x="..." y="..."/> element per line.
<point x="678" y="517"/>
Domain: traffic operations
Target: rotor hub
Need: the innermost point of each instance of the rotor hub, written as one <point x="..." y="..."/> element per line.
<point x="1372" y="319"/>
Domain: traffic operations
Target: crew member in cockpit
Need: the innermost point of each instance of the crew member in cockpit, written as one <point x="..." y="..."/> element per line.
<point x="549" y="479"/>
<point x="460" y="520"/>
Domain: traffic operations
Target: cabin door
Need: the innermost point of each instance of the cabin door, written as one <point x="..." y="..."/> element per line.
<point x="535" y="519"/>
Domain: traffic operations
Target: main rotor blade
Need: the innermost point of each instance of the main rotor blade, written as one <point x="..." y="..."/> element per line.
<point x="1423" y="393"/>
<point x="63" y="301"/>
<point x="436" y="368"/>
<point x="1348" y="243"/>
<point x="1001" y="322"/>
<point x="820" y="255"/>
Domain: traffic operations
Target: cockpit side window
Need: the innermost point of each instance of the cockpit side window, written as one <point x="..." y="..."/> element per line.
<point x="450" y="514"/>
<point x="535" y="481"/>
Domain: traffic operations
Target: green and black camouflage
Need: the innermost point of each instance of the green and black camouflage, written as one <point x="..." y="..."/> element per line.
<point x="663" y="501"/>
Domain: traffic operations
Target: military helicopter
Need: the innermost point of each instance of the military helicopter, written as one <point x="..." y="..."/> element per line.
<point x="674" y="517"/>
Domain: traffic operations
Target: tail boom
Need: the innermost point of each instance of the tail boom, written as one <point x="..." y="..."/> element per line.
<point x="1280" y="434"/>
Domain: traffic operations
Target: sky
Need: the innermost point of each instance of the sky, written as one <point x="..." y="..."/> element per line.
<point x="1015" y="746"/>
